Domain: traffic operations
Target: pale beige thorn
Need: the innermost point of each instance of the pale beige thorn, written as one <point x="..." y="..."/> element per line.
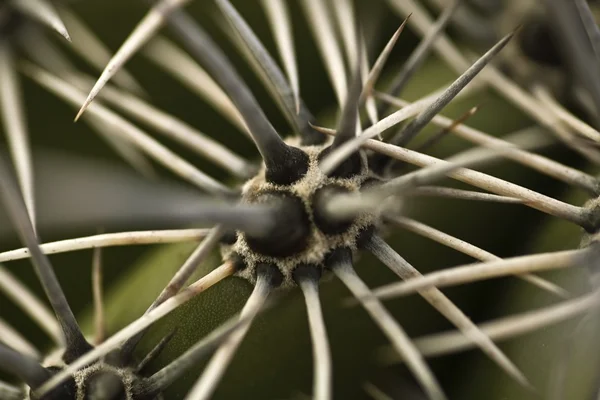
<point x="145" y="29"/>
<point x="138" y="325"/>
<point x="482" y="271"/>
<point x="183" y="68"/>
<point x="483" y="181"/>
<point x="510" y="327"/>
<point x="446" y="307"/>
<point x="110" y="240"/>
<point x="322" y="364"/>
<point x="44" y="12"/>
<point x="546" y="98"/>
<point x="14" y="121"/>
<point x="178" y="130"/>
<point x="380" y="62"/>
<point x="396" y="335"/>
<point x="470" y="250"/>
<point x="92" y="50"/>
<point x="370" y="104"/>
<point x="279" y="19"/>
<point x="539" y="163"/>
<point x="97" y="292"/>
<point x="208" y="381"/>
<point x="31" y="305"/>
<point x="13" y="339"/>
<point x="128" y="131"/>
<point x="322" y="30"/>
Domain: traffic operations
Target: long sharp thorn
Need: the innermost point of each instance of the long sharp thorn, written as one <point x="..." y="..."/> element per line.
<point x="108" y="240"/>
<point x="426" y="115"/>
<point x="13" y="203"/>
<point x="14" y="121"/>
<point x="471" y="250"/>
<point x="178" y="281"/>
<point x="268" y="70"/>
<point x="99" y="321"/>
<point x="128" y="131"/>
<point x="207" y="383"/>
<point x="276" y="154"/>
<point x="30" y="304"/>
<point x="307" y="278"/>
<point x="138" y="325"/>
<point x="380" y="63"/>
<point x="369" y="100"/>
<point x="349" y="119"/>
<point x="44" y="12"/>
<point x="9" y="392"/>
<point x="322" y="30"/>
<point x="13" y="339"/>
<point x="281" y="25"/>
<point x="446" y="307"/>
<point x="24" y="367"/>
<point x="509" y="327"/>
<point x="418" y="56"/>
<point x="91" y="49"/>
<point x="146" y="28"/>
<point x="341" y="264"/>
<point x="482" y="271"/>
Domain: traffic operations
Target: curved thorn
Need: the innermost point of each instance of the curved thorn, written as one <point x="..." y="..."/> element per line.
<point x="446" y="307"/>
<point x="97" y="294"/>
<point x="460" y="194"/>
<point x="108" y="240"/>
<point x="138" y="325"/>
<point x="341" y="265"/>
<point x="145" y="29"/>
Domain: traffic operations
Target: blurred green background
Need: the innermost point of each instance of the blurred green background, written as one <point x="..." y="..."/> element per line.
<point x="275" y="360"/>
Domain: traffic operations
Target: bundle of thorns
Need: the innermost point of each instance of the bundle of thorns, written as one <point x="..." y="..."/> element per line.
<point x="311" y="205"/>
